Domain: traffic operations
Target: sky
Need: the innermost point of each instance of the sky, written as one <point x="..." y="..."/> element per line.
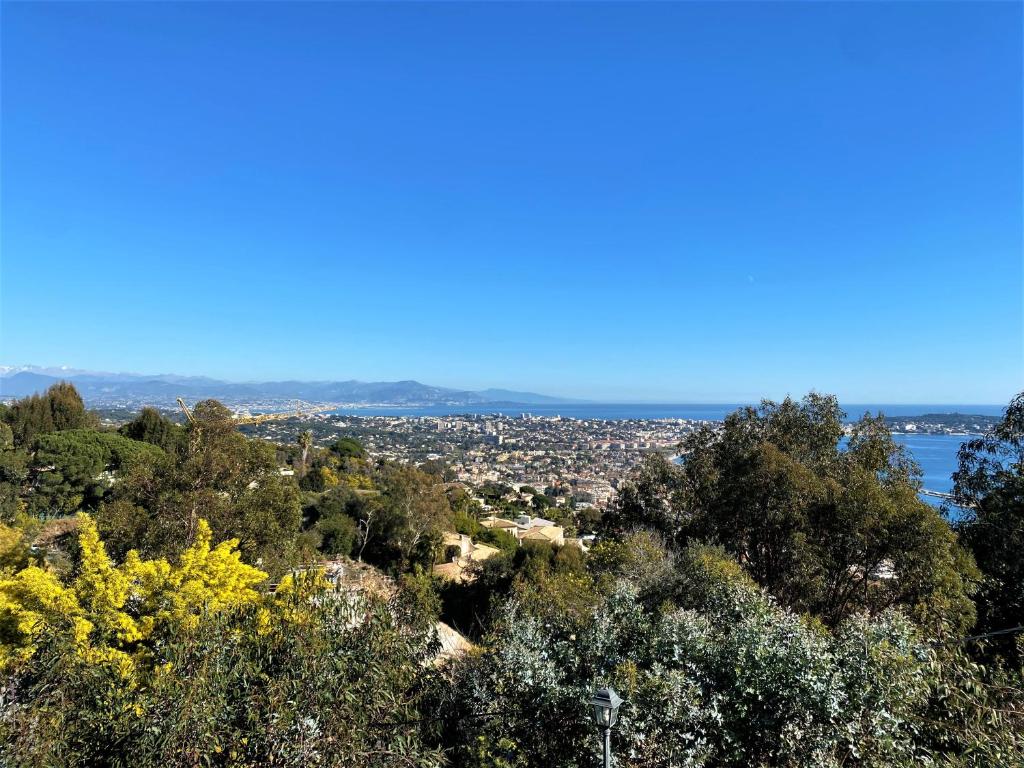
<point x="625" y="202"/>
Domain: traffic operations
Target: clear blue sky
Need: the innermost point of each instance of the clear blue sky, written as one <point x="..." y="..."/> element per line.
<point x="631" y="202"/>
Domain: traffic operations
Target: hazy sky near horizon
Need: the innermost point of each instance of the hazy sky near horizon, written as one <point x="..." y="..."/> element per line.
<point x="671" y="202"/>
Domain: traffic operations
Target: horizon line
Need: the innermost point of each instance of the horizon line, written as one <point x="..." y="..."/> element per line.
<point x="569" y="400"/>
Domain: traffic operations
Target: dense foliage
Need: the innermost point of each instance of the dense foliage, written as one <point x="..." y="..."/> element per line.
<point x="827" y="528"/>
<point x="59" y="408"/>
<point x="151" y="664"/>
<point x="22" y="423"/>
<point x="110" y="613"/>
<point x="721" y="675"/>
<point x="781" y="598"/>
<point x="547" y="579"/>
<point x="150" y="426"/>
<point x="990" y="487"/>
<point x="73" y="469"/>
<point x="391" y="516"/>
<point x="219" y="475"/>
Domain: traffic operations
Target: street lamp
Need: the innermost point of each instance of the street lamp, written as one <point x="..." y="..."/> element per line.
<point x="606" y="713"/>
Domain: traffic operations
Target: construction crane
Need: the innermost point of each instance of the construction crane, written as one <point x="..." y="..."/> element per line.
<point x="260" y="418"/>
<point x="188" y="412"/>
<point x="299" y="411"/>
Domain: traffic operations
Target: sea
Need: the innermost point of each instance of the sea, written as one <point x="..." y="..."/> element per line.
<point x="936" y="454"/>
<point x="711" y="412"/>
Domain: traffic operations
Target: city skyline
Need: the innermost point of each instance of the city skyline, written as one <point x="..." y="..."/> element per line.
<point x="657" y="203"/>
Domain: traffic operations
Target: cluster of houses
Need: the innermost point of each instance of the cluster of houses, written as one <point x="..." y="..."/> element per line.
<point x="463" y="551"/>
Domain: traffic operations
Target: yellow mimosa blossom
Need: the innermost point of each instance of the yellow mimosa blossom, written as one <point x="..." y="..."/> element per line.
<point x="110" y="611"/>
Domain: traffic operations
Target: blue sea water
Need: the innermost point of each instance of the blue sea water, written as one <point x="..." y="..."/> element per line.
<point x="936" y="454"/>
<point x="712" y="411"/>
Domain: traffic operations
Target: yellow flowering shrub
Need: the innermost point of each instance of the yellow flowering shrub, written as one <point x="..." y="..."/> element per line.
<point x="328" y="477"/>
<point x="293" y="593"/>
<point x="31" y="599"/>
<point x="13" y="549"/>
<point x="359" y="482"/>
<point x="109" y="610"/>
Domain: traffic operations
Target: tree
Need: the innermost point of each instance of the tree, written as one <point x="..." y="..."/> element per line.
<point x="493" y="491"/>
<point x="740" y="683"/>
<point x="6" y="437"/>
<point x="541" y="502"/>
<point x="826" y="529"/>
<point x="305" y="442"/>
<point x="989" y="486"/>
<point x="407" y="520"/>
<point x="348" y="448"/>
<point x="497" y="538"/>
<point x="152" y="427"/>
<point x="222" y="476"/>
<point x="439" y="469"/>
<point x="547" y="578"/>
<point x="338" y="535"/>
<point x="650" y="498"/>
<point x="14" y="474"/>
<point x="67" y="468"/>
<point x="59" y="408"/>
<point x="334" y="516"/>
<point x="643" y="559"/>
<point x="15" y="551"/>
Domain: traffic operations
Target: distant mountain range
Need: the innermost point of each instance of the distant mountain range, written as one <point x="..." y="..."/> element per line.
<point x="98" y="388"/>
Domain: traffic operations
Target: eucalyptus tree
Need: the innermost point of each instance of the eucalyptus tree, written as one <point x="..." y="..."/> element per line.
<point x="828" y="523"/>
<point x="989" y="487"/>
<point x="222" y="476"/>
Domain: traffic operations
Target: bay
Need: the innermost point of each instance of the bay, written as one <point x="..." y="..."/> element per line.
<point x="707" y="411"/>
<point x="937" y="457"/>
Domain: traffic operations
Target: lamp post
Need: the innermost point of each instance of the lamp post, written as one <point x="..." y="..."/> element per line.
<point x="606" y="713"/>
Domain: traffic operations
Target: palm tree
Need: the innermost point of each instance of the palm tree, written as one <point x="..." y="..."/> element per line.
<point x="305" y="442"/>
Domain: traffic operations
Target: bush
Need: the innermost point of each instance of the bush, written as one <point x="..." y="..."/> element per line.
<point x="338" y="534"/>
<point x="726" y="677"/>
<point x="498" y="538"/>
<point x="304" y="679"/>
